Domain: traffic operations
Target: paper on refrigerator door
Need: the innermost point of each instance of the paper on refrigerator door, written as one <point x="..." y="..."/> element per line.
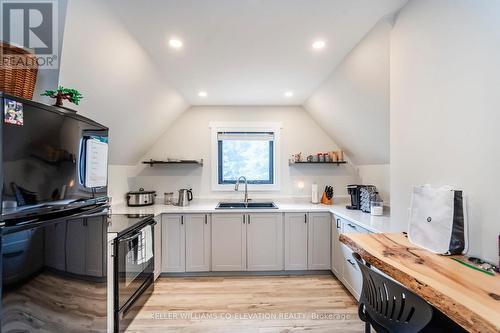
<point x="96" y="164"/>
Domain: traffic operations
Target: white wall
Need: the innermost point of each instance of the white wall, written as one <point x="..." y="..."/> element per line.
<point x="378" y="175"/>
<point x="119" y="181"/>
<point x="121" y="86"/>
<point x="352" y="105"/>
<point x="189" y="138"/>
<point x="445" y="108"/>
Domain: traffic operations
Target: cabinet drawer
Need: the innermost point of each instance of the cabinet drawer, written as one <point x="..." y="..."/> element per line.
<point x="350" y="227"/>
<point x="353" y="279"/>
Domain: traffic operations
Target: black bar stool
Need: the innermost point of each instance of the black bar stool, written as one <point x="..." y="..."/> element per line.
<point x="388" y="307"/>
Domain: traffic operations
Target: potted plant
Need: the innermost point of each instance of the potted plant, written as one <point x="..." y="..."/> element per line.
<point x="72" y="95"/>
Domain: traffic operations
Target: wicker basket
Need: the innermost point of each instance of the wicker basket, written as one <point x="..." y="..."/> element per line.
<point x="17" y="80"/>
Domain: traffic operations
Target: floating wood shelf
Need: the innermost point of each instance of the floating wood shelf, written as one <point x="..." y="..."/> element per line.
<point x="179" y="162"/>
<point x="322" y="163"/>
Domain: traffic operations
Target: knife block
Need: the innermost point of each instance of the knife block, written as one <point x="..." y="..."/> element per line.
<point x="325" y="200"/>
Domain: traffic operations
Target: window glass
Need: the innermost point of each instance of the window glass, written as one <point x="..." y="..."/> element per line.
<point x="246" y="154"/>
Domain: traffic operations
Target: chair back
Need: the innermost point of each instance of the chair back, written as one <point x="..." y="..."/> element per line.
<point x="393" y="307"/>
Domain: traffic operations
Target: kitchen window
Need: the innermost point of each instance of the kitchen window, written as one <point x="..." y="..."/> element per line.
<point x="250" y="151"/>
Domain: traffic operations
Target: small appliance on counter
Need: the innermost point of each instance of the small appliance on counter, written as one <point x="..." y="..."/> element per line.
<point x="365" y="196"/>
<point x="141" y="198"/>
<point x="355" y="192"/>
<point x="185" y="196"/>
<point x="168" y="198"/>
<point x="133" y="265"/>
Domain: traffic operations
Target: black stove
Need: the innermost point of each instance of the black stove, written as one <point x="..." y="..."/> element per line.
<point x="133" y="261"/>
<point x="123" y="223"/>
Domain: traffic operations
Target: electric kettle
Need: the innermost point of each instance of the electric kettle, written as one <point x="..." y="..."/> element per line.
<point x="185" y="196"/>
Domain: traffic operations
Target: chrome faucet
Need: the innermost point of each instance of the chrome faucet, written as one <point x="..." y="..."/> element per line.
<point x="246" y="187"/>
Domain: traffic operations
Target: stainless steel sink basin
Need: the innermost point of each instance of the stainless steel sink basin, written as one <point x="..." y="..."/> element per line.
<point x="242" y="205"/>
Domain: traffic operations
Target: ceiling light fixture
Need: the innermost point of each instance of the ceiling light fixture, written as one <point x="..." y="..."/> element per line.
<point x="175" y="43"/>
<point x="288" y="94"/>
<point x="202" y="94"/>
<point x="318" y="44"/>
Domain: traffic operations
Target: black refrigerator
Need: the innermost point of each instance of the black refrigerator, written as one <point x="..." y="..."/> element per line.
<point x="54" y="208"/>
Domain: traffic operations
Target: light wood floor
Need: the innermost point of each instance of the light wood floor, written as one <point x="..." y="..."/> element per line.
<point x="220" y="304"/>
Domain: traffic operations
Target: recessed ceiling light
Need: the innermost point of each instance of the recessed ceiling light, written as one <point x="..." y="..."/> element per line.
<point x="288" y="94"/>
<point x="203" y="94"/>
<point x="175" y="43"/>
<point x="318" y="44"/>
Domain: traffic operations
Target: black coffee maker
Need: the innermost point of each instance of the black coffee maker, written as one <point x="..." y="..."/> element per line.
<point x="355" y="192"/>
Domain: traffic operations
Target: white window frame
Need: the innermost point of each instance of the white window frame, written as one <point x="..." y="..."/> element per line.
<point x="274" y="128"/>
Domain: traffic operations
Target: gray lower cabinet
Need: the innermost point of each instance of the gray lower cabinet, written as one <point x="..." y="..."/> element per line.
<point x="55" y="243"/>
<point x="22" y="255"/>
<point x="198" y="237"/>
<point x="247" y="242"/>
<point x="337" y="257"/>
<point x="307" y="241"/>
<point x="264" y="242"/>
<point x="85" y="241"/>
<point x="173" y="250"/>
<point x="318" y="246"/>
<point x="352" y="278"/>
<point x="343" y="265"/>
<point x="96" y="236"/>
<point x="157" y="246"/>
<point x="185" y="243"/>
<point x="75" y="252"/>
<point x="296" y="241"/>
<point x="229" y="242"/>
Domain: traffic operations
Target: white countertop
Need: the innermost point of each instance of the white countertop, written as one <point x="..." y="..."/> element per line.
<point x="372" y="223"/>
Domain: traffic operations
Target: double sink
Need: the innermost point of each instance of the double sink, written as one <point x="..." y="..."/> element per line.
<point x="246" y="205"/>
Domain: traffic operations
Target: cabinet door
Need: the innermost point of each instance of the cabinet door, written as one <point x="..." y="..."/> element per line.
<point x="75" y="246"/>
<point x="157" y="246"/>
<point x="337" y="258"/>
<point x="295" y="241"/>
<point x="265" y="242"/>
<point x="95" y="239"/>
<point x="173" y="255"/>
<point x="55" y="242"/>
<point x="353" y="280"/>
<point x="197" y="243"/>
<point x="319" y="241"/>
<point x="229" y="242"/>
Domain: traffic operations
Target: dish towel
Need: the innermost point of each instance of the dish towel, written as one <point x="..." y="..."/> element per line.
<point x="148" y="240"/>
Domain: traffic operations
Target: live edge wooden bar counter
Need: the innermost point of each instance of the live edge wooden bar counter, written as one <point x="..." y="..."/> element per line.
<point x="469" y="297"/>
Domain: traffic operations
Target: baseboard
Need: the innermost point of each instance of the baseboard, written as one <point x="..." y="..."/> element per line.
<point x="259" y="273"/>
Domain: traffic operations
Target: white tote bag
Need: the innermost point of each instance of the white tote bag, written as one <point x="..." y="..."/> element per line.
<point x="438" y="220"/>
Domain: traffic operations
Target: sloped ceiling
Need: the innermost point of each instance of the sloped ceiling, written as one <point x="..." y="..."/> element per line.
<point x="249" y="52"/>
<point x="353" y="103"/>
<point x="245" y="52"/>
<point x="122" y="88"/>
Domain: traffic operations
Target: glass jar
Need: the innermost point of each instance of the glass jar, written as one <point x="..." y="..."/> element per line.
<point x="376" y="205"/>
<point x="168" y="198"/>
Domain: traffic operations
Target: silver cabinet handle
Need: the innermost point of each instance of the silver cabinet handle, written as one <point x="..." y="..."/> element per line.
<point x="206" y="219"/>
<point x="352" y="226"/>
<point x="305" y="218"/>
<point x="182" y="219"/>
<point x="248" y="219"/>
<point x="338" y="223"/>
<point x="244" y="219"/>
<point x="351" y="262"/>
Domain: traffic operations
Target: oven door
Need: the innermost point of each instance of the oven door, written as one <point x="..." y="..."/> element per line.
<point x="134" y="264"/>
